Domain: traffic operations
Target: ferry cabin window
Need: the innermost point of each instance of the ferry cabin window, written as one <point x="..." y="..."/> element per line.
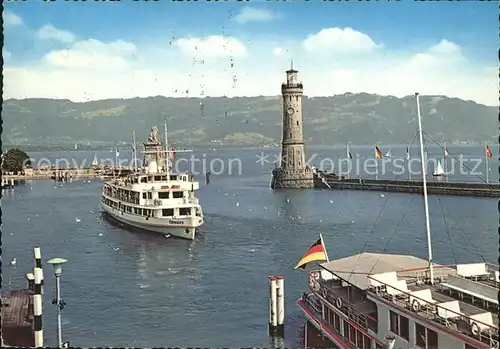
<point x="157" y="178"/>
<point x="336" y="324"/>
<point x="144" y="179"/>
<point x="346" y="329"/>
<point x="393" y="317"/>
<point x="173" y="177"/>
<point x="150" y="195"/>
<point x="163" y="195"/>
<point x="352" y="334"/>
<point x="144" y="195"/>
<point x="404" y="328"/>
<point x="177" y="194"/>
<point x="168" y="212"/>
<point x="185" y="211"/>
<point x="425" y="338"/>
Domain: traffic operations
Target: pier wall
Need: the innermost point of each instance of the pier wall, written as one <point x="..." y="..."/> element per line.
<point x="405" y="186"/>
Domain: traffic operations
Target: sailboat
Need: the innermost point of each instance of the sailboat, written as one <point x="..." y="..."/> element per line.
<point x="438" y="171"/>
<point x="95" y="162"/>
<point x="381" y="300"/>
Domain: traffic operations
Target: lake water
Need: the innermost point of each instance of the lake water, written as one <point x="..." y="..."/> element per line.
<point x="212" y="292"/>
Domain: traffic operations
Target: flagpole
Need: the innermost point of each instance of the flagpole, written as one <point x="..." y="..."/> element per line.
<point x="348" y="161"/>
<point x="324" y="247"/>
<point x="486" y="163"/>
<point x="408" y="162"/>
<point x="135" y="152"/>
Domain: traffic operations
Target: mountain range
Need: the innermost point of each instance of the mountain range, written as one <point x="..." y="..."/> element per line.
<point x="359" y="118"/>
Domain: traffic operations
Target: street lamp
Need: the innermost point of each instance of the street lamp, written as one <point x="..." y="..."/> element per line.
<point x="58" y="302"/>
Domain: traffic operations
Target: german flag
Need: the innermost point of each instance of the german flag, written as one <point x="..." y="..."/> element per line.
<point x="489" y="154"/>
<point x="378" y="153"/>
<point x="316" y="253"/>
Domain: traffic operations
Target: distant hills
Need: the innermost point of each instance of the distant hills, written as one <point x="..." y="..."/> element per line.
<point x="358" y="118"/>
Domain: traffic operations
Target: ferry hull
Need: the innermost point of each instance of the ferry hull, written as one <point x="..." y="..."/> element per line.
<point x="184" y="232"/>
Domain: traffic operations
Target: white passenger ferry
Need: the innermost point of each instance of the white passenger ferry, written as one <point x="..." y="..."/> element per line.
<point x="373" y="300"/>
<point x="154" y="198"/>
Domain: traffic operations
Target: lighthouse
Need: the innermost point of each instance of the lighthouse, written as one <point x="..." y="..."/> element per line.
<point x="292" y="171"/>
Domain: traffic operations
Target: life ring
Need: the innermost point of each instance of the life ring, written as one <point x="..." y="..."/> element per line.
<point x="474" y="327"/>
<point x="338" y="303"/>
<point x="415" y="306"/>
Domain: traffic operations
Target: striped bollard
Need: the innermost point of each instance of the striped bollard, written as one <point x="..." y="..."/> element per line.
<point x="38" y="263"/>
<point x="37" y="308"/>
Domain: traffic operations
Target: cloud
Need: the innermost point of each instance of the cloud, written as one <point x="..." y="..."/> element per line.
<point x="338" y="40"/>
<point x="251" y="14"/>
<point x="92" y="54"/>
<point x="49" y="32"/>
<point x="93" y="69"/>
<point x="212" y="46"/>
<point x="10" y="19"/>
<point x="278" y="51"/>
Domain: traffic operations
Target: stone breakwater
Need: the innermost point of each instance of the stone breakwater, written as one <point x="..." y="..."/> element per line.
<point x="445" y="188"/>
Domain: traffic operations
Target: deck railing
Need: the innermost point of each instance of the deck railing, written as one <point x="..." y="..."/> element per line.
<point x="460" y="322"/>
<point x="322" y="288"/>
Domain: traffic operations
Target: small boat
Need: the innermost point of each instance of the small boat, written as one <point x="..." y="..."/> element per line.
<point x="438" y="171"/>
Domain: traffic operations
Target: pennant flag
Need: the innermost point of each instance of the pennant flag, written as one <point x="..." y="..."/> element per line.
<point x="350" y="155"/>
<point x="378" y="153"/>
<point x="489" y="154"/>
<point x="315" y="253"/>
<point x="446" y="151"/>
<point x="407" y="153"/>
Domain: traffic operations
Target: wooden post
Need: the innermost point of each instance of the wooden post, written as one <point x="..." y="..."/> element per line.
<point x="38" y="263"/>
<point x="280" y="304"/>
<point x="273" y="318"/>
<point x="37" y="309"/>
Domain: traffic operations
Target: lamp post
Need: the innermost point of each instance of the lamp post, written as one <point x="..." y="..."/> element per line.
<point x="58" y="302"/>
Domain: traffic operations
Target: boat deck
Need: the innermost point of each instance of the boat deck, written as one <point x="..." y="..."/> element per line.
<point x="462" y="297"/>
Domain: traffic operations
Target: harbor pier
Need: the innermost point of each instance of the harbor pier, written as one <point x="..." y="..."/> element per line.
<point x="332" y="181"/>
<point x="22" y="311"/>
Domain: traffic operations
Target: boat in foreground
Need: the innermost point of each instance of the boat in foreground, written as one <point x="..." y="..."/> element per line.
<point x="373" y="300"/>
<point x="153" y="198"/>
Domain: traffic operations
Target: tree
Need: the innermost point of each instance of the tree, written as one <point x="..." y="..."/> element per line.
<point x="15" y="160"/>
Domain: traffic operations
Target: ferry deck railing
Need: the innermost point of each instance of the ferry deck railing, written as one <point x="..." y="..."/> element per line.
<point x="317" y="309"/>
<point x="345" y="306"/>
<point x="460" y="322"/>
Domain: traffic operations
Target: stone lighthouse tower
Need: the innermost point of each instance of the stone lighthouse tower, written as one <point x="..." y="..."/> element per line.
<point x="292" y="171"/>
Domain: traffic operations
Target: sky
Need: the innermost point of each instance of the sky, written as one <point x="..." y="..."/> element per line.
<point x="96" y="50"/>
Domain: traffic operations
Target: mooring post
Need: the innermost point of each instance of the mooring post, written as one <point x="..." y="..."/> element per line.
<point x="38" y="263"/>
<point x="37" y="309"/>
<point x="273" y="318"/>
<point x="280" y="298"/>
